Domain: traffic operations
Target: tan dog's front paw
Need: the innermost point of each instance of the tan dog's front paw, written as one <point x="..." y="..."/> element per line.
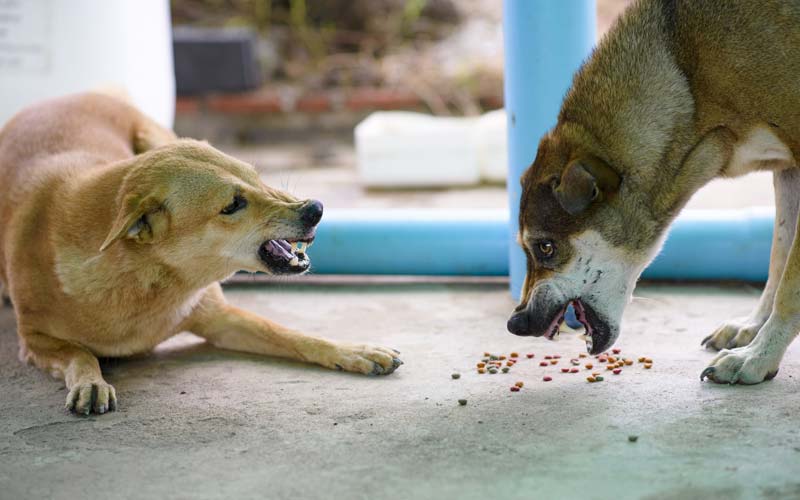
<point x="87" y="397"/>
<point x="737" y="332"/>
<point x="744" y="365"/>
<point x="363" y="358"/>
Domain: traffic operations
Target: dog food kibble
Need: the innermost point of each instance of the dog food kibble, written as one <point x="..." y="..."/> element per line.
<point x="481" y="365"/>
<point x="648" y="361"/>
<point x="462" y="402"/>
<point x="575" y="361"/>
<point x="583" y="355"/>
<point x="565" y="370"/>
<point x="616" y="351"/>
<point x="514" y="354"/>
<point x="514" y="388"/>
<point x="628" y="362"/>
<point x="492" y="357"/>
<point x="589" y="366"/>
<point x="547" y="378"/>
<point x="595" y="374"/>
<point x="519" y="383"/>
<point x="505" y="369"/>
<point x="510" y="363"/>
<point x="455" y="376"/>
<point x="493" y="370"/>
<point x="633" y="438"/>
<point x="574" y="370"/>
<point x="610" y="367"/>
<point x="553" y="361"/>
<point x="501" y="358"/>
<point x="481" y="370"/>
<point x="648" y="366"/>
<point x="590" y="379"/>
<point x="617" y="371"/>
<point x="530" y="355"/>
<point x="544" y="363"/>
<point x="598" y="378"/>
<point x="548" y="357"/>
<point x="556" y="356"/>
<point x="641" y="360"/>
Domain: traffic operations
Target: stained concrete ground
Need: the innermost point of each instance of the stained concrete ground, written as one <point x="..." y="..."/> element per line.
<point x="198" y="423"/>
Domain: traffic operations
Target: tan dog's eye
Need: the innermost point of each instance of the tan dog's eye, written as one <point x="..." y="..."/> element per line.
<point x="237" y="204"/>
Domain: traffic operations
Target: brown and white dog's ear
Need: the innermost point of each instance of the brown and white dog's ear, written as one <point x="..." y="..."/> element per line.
<point x="583" y="182"/>
<point x="140" y="219"/>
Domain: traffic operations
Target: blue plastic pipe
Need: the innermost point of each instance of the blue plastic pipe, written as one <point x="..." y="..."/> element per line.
<point x="702" y="244"/>
<point x="545" y="42"/>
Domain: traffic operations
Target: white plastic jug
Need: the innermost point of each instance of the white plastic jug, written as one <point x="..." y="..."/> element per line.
<point x="55" y="47"/>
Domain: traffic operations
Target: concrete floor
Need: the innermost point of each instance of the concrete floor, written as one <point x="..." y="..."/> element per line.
<point x="198" y="423"/>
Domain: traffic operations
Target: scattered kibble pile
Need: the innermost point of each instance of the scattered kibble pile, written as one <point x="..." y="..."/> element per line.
<point x="613" y="361"/>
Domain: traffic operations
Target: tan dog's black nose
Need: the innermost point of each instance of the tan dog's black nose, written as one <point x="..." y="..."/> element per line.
<point x="518" y="324"/>
<point x="311" y="213"/>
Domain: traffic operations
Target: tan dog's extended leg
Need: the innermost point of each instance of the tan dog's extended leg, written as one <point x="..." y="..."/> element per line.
<point x="740" y="331"/>
<point x="79" y="368"/>
<point x="229" y="327"/>
<point x="760" y="360"/>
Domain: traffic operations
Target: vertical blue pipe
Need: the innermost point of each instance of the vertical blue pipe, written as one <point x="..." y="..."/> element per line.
<point x="545" y="42"/>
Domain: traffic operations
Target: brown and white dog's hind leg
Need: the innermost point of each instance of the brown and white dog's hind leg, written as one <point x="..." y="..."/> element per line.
<point x="229" y="327"/>
<point x="79" y="368"/>
<point x="739" y="332"/>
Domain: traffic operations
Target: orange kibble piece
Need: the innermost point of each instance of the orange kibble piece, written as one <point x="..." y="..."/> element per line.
<point x="628" y="362"/>
<point x="519" y="383"/>
<point x="553" y="361"/>
<point x="610" y="367"/>
<point x="510" y="363"/>
<point x="583" y="355"/>
<point x="514" y="354"/>
<point x="487" y="354"/>
<point x="641" y="360"/>
<point x="590" y="379"/>
<point x="595" y="374"/>
<point x="481" y="365"/>
<point x="648" y="366"/>
<point x="501" y="358"/>
<point x="589" y="366"/>
<point x="648" y="361"/>
<point x="481" y="370"/>
<point x="611" y="359"/>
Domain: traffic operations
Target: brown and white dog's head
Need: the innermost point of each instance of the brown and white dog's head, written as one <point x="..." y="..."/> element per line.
<point x="586" y="240"/>
<point x="194" y="209"/>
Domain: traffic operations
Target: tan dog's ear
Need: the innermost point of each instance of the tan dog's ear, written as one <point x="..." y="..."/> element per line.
<point x="140" y="219"/>
<point x="583" y="182"/>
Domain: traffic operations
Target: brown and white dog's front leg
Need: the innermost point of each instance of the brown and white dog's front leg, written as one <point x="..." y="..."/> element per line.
<point x="79" y="368"/>
<point x="229" y="327"/>
<point x="740" y="332"/>
<point x="759" y="360"/>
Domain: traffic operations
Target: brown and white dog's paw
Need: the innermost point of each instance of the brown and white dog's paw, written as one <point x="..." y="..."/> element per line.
<point x="362" y="358"/>
<point x="743" y="365"/>
<point x="733" y="333"/>
<point x="91" y="397"/>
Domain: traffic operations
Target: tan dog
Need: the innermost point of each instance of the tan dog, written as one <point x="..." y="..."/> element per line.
<point x="114" y="235"/>
<point x="679" y="92"/>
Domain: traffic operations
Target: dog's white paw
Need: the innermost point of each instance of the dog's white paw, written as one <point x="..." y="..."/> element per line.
<point x="363" y="358"/>
<point x="87" y="397"/>
<point x="733" y="333"/>
<point x="743" y="365"/>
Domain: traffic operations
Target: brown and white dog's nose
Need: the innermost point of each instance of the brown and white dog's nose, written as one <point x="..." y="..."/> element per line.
<point x="518" y="324"/>
<point x="311" y="213"/>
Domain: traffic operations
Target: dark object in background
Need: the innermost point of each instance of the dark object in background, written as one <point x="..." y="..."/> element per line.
<point x="215" y="60"/>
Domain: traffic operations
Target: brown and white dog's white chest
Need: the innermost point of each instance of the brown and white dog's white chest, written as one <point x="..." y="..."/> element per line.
<point x="759" y="149"/>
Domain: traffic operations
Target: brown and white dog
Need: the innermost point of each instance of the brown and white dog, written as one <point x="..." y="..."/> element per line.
<point x="678" y="92"/>
<point x="114" y="235"/>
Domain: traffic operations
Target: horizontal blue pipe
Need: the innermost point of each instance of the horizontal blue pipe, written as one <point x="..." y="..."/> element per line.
<point x="702" y="244"/>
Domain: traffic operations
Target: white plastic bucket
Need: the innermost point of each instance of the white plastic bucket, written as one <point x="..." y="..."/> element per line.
<point x="55" y="47"/>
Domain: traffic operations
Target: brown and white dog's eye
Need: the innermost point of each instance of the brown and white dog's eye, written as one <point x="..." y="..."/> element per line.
<point x="544" y="249"/>
<point x="237" y="204"/>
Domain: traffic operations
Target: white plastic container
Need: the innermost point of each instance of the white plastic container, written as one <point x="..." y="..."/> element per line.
<point x="55" y="47"/>
<point x="492" y="143"/>
<point x="402" y="149"/>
